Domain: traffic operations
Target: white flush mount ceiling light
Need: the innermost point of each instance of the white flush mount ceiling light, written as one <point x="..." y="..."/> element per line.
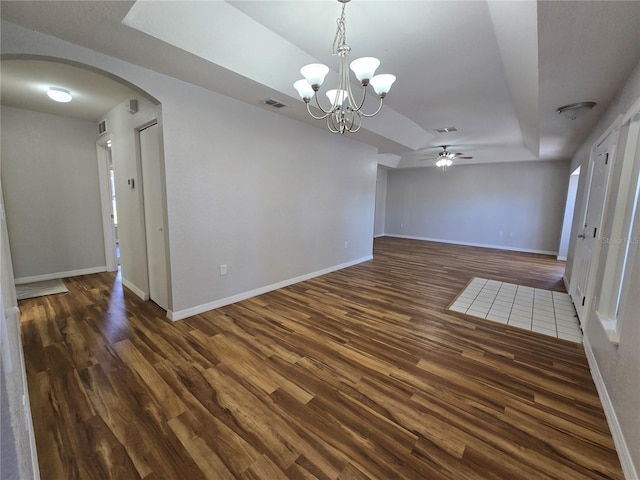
<point x="344" y="114"/>
<point x="575" y="110"/>
<point x="58" y="94"/>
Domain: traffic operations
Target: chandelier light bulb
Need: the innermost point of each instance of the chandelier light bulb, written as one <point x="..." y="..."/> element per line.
<point x="58" y="94"/>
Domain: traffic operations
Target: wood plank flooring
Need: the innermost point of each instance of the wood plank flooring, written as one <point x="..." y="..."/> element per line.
<point x="357" y="374"/>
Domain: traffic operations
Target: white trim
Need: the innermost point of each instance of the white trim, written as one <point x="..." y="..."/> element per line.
<point x="13" y="313"/>
<point x="53" y="276"/>
<point x="562" y="258"/>
<point x="8" y="312"/>
<point x="379" y="235"/>
<point x="205" y="307"/>
<point x="137" y="291"/>
<point x="566" y="283"/>
<point x="624" y="454"/>
<point x="471" y="244"/>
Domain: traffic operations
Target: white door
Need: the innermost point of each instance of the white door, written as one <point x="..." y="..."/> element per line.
<point x="154" y="215"/>
<point x="588" y="238"/>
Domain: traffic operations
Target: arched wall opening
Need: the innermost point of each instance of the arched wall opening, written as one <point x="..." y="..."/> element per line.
<point x="57" y="171"/>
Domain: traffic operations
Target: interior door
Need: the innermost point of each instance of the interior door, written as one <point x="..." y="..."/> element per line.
<point x="588" y="238"/>
<point x="154" y="215"/>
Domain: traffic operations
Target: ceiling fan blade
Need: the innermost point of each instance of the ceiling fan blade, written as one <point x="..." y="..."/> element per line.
<point x="463" y="158"/>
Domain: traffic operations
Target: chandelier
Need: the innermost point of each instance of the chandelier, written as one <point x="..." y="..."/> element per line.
<point x="344" y="113"/>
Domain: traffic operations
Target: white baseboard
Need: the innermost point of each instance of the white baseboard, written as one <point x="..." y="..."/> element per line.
<point x="189" y="312"/>
<point x="624" y="454"/>
<point x="471" y="244"/>
<point x="53" y="276"/>
<point x="562" y="258"/>
<point x="566" y="283"/>
<point x="379" y="235"/>
<point x="138" y="292"/>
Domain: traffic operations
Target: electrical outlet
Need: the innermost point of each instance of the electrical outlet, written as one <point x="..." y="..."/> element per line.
<point x="223" y="270"/>
<point x="510" y="234"/>
<point x="346" y="244"/>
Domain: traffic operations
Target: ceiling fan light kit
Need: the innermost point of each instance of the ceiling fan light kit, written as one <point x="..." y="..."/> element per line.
<point x="445" y="158"/>
<point x="344" y="113"/>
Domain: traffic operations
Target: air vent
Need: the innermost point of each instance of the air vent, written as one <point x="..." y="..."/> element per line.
<point x="102" y="127"/>
<point x="274" y="103"/>
<point x="446" y="129"/>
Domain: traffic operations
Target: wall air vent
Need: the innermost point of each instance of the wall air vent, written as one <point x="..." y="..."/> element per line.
<point x="274" y="103"/>
<point x="446" y="130"/>
<point x="102" y="127"/>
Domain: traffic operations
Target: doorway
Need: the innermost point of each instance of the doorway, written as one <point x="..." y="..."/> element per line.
<point x="587" y="248"/>
<point x="572" y="193"/>
<point x="154" y="217"/>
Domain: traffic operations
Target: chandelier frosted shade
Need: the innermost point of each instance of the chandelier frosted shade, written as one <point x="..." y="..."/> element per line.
<point x="344" y="113"/>
<point x="382" y="83"/>
<point x="314" y="74"/>
<point x="304" y="89"/>
<point x="364" y="68"/>
<point x="337" y="97"/>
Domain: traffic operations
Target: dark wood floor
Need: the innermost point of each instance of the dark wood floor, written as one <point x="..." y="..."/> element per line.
<point x="357" y="374"/>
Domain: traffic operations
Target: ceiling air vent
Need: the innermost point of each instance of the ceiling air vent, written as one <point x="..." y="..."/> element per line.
<point x="102" y="127"/>
<point x="446" y="129"/>
<point x="274" y="103"/>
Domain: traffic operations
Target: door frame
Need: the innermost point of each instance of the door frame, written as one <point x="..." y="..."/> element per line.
<point x="144" y="183"/>
<point x="105" y="203"/>
<point x="592" y="268"/>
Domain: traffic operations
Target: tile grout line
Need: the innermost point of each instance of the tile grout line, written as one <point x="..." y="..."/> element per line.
<point x="520" y="289"/>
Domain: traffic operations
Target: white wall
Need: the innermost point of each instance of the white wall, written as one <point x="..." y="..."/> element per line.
<point x="50" y="178"/>
<point x="515" y="206"/>
<point x="272" y="198"/>
<point x="381" y="202"/>
<point x="617" y="366"/>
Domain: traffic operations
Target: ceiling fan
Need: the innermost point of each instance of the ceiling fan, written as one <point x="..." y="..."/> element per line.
<point x="445" y="158"/>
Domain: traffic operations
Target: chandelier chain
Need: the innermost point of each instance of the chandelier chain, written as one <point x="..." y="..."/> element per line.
<point x="341" y="32"/>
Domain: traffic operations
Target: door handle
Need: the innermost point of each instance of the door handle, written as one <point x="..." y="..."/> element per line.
<point x="582" y="235"/>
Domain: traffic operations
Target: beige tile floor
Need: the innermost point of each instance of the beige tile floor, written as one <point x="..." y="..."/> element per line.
<point x="533" y="309"/>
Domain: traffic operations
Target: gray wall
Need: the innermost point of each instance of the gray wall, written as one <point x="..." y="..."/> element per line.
<point x="272" y="198"/>
<point x="618" y="365"/>
<point x="17" y="450"/>
<point x="50" y="179"/>
<point x="515" y="206"/>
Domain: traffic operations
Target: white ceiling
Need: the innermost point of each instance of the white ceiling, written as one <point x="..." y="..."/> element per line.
<point x="495" y="70"/>
<point x="25" y="84"/>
